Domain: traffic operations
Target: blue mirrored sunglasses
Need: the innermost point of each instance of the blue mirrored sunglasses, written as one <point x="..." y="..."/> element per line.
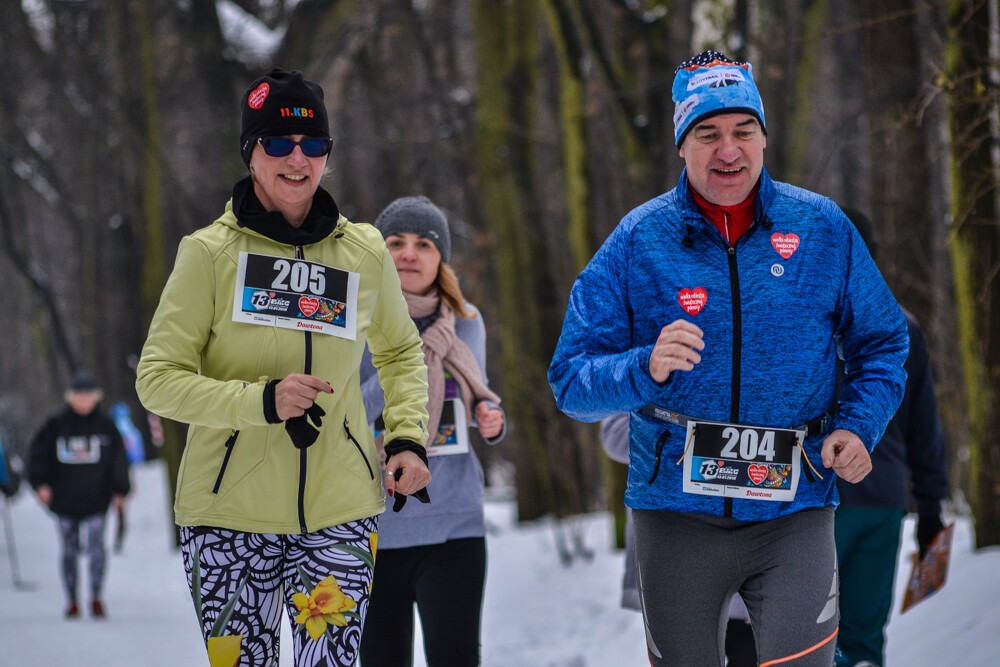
<point x="282" y="146"/>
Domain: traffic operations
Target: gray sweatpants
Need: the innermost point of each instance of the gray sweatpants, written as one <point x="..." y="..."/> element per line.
<point x="690" y="566"/>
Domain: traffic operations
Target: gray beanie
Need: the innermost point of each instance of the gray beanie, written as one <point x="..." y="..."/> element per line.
<point x="416" y="215"/>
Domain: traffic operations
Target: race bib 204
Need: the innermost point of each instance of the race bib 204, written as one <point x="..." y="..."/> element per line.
<point x="746" y="462"/>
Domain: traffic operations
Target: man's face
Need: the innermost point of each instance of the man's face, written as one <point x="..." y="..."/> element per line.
<point x="724" y="156"/>
<point x="83" y="402"/>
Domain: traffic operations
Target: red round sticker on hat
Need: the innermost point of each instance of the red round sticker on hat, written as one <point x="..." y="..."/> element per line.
<point x="257" y="97"/>
<point x="693" y="300"/>
<point x="785" y="244"/>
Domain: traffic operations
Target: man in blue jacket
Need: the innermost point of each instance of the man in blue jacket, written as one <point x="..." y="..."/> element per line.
<point x="714" y="314"/>
<point x="870" y="516"/>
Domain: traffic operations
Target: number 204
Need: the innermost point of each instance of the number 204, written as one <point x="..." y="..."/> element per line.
<point x="751" y="445"/>
<point x="299" y="277"/>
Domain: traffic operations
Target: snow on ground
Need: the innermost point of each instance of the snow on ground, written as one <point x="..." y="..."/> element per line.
<point x="538" y="612"/>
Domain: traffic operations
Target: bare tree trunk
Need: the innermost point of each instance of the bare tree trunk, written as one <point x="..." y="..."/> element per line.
<point x="970" y="79"/>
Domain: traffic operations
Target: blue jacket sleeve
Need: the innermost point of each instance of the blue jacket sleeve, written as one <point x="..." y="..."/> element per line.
<point x="873" y="341"/>
<point x="595" y="371"/>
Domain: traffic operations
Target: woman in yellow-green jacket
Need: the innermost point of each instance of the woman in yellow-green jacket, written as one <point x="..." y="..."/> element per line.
<point x="256" y="343"/>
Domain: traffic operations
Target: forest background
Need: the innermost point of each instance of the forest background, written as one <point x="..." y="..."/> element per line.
<point x="536" y="124"/>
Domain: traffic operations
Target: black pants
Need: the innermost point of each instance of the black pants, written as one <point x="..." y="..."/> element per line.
<point x="446" y="582"/>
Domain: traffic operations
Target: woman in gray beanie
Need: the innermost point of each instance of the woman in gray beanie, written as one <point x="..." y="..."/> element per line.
<point x="434" y="555"/>
<point x="256" y="344"/>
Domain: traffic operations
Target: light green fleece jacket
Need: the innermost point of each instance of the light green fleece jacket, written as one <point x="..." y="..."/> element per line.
<point x="200" y="367"/>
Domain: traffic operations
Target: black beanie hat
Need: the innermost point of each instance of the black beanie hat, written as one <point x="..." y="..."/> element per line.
<point x="416" y="215"/>
<point x="82" y="381"/>
<point x="280" y="104"/>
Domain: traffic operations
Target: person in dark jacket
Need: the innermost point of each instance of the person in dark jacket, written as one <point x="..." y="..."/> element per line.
<point x="78" y="467"/>
<point x="868" y="522"/>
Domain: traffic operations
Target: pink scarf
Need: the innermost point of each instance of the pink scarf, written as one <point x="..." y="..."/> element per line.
<point x="444" y="351"/>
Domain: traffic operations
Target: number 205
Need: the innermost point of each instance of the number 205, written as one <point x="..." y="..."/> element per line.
<point x="299" y="277"/>
<point x="751" y="445"/>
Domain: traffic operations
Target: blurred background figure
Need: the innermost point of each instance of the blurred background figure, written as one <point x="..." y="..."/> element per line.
<point x="134" y="445"/>
<point x="78" y="467"/>
<point x="434" y="555"/>
<point x="868" y="523"/>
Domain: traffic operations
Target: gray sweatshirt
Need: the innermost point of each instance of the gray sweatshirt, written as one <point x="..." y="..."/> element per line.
<point x="456" y="487"/>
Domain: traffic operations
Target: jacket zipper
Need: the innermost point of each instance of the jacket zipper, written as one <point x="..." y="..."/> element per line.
<point x="734" y="398"/>
<point x="347" y="429"/>
<point x="303" y="456"/>
<point x="225" y="461"/>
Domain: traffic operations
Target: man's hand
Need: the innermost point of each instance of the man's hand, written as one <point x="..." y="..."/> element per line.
<point x="846" y="454"/>
<point x="294" y="394"/>
<point x="490" y="420"/>
<point x="413" y="474"/>
<point x="44" y="494"/>
<point x="676" y="349"/>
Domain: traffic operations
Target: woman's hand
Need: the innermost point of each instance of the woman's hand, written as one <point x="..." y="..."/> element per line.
<point x="490" y="420"/>
<point x="413" y="474"/>
<point x="296" y="393"/>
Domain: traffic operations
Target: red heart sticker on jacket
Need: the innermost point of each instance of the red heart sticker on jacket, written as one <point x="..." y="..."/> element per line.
<point x="693" y="300"/>
<point x="308" y="305"/>
<point x="785" y="244"/>
<point x="758" y="473"/>
<point x="259" y="94"/>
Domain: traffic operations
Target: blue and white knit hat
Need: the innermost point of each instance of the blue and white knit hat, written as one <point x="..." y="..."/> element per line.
<point x="710" y="84"/>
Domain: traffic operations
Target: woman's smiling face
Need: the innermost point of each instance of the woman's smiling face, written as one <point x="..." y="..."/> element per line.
<point x="417" y="260"/>
<point x="287" y="184"/>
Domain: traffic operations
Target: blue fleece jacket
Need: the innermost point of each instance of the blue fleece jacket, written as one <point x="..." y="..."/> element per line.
<point x="776" y="309"/>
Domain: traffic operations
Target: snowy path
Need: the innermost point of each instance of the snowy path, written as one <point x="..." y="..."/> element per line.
<point x="537" y="612"/>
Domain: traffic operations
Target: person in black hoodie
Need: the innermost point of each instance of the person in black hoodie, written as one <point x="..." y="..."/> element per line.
<point x="77" y="467"/>
<point x="910" y="461"/>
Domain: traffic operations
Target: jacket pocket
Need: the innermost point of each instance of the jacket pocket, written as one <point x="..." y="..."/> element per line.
<point x="357" y="445"/>
<point x="225" y="461"/>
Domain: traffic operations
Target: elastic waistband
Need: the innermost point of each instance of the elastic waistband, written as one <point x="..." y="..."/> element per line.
<point x="813" y="427"/>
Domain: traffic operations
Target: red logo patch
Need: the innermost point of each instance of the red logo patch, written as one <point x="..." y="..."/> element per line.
<point x="693" y="300"/>
<point x="785" y="244"/>
<point x="758" y="473"/>
<point x="308" y="305"/>
<point x="259" y="94"/>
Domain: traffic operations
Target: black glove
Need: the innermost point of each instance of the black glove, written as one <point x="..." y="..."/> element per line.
<point x="301" y="431"/>
<point x="400" y="498"/>
<point x="400" y="445"/>
<point x="928" y="527"/>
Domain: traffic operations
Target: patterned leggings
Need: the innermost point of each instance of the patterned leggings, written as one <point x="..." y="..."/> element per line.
<point x="69" y="530"/>
<point x="323" y="579"/>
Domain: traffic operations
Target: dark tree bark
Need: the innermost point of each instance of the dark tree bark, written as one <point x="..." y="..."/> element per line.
<point x="970" y="79"/>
